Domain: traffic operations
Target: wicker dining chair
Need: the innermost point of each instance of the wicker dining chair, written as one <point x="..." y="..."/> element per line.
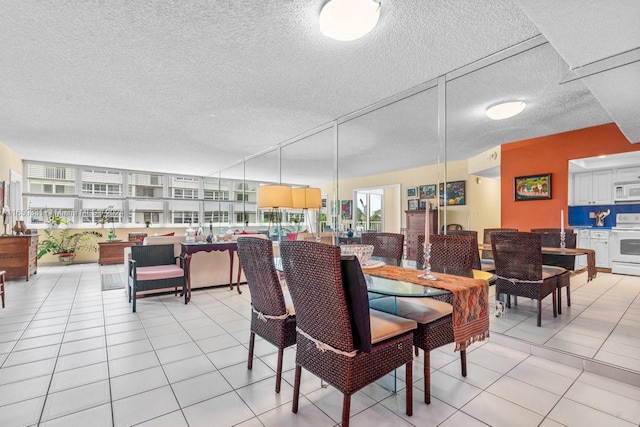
<point x="551" y="238"/>
<point x="448" y="250"/>
<point x="433" y="315"/>
<point x="486" y="259"/>
<point x="477" y="265"/>
<point x="519" y="269"/>
<point x="338" y="338"/>
<point x="385" y="245"/>
<point x="272" y="312"/>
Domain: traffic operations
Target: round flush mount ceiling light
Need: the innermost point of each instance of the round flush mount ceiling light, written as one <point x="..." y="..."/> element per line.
<point x="505" y="110"/>
<point x="347" y="20"/>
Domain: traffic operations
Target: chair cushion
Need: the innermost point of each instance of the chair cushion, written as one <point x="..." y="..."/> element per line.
<point x="421" y="310"/>
<point x="385" y="326"/>
<point x="355" y="289"/>
<point x="288" y="302"/>
<point x="550" y="271"/>
<point x="156" y="272"/>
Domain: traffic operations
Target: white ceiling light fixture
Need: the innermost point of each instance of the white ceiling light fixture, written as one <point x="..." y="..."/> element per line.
<point x="347" y="20"/>
<point x="505" y="110"/>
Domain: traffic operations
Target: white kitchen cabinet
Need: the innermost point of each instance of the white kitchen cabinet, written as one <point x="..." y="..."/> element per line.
<point x="599" y="242"/>
<point x="593" y="188"/>
<point x="628" y="174"/>
<point x="582" y="241"/>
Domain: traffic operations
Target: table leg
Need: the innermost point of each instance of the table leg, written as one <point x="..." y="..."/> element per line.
<point x="231" y="269"/>
<point x="188" y="257"/>
<point x="239" y="274"/>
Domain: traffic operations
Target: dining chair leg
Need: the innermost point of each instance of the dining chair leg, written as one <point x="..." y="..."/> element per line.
<point x="559" y="292"/>
<point x="427" y="377"/>
<point x="409" y="380"/>
<point x="555" y="304"/>
<point x="539" y="312"/>
<point x="346" y="408"/>
<point x="252" y="339"/>
<point x="463" y="362"/>
<point x="416" y="350"/>
<point x="296" y="389"/>
<point x="568" y="296"/>
<point x="279" y="369"/>
<point x="508" y="301"/>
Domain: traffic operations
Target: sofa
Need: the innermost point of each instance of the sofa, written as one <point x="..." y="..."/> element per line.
<point x="207" y="268"/>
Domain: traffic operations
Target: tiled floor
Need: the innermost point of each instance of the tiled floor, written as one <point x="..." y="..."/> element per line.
<point x="72" y="355"/>
<point x="603" y="322"/>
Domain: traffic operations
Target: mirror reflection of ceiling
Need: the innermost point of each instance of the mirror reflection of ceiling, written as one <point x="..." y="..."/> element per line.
<point x="193" y="87"/>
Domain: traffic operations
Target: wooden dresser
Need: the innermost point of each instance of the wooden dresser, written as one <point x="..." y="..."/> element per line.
<point x="113" y="252"/>
<point x="415" y="227"/>
<point x="19" y="256"/>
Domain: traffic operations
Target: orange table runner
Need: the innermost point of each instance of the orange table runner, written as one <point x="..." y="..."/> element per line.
<point x="470" y="300"/>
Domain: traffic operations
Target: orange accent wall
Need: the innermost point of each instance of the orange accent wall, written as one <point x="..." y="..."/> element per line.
<point x="551" y="154"/>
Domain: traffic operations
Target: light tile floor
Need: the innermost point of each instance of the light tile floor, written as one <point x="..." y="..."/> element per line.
<point x="72" y="355"/>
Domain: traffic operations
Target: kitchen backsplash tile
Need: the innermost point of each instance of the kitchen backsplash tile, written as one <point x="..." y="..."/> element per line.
<point x="579" y="215"/>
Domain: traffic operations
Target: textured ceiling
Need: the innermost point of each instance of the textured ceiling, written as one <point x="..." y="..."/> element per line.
<point x="193" y="86"/>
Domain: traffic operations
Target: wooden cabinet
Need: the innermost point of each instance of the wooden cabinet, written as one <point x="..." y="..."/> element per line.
<point x="415" y="227"/>
<point x="593" y="188"/>
<point x="19" y="256"/>
<point x="112" y="252"/>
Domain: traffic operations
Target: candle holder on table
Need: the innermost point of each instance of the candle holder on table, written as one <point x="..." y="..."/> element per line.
<point x="426" y="274"/>
<point x="562" y="242"/>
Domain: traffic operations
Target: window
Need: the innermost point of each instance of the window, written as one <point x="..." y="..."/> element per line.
<point x="216" y="217"/>
<point x="216" y="195"/>
<point x="184" y="217"/>
<point x="242" y="197"/>
<point x="185" y="193"/>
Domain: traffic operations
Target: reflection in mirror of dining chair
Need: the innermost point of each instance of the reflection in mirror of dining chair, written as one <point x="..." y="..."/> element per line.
<point x="551" y="238"/>
<point x="476" y="253"/>
<point x="487" y="256"/>
<point x="385" y="245"/>
<point x="519" y="269"/>
<point x="272" y="312"/>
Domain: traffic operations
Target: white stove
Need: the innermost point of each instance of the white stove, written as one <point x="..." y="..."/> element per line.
<point x="625" y="244"/>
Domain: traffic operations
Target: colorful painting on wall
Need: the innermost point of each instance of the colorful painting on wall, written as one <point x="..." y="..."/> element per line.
<point x="533" y="187"/>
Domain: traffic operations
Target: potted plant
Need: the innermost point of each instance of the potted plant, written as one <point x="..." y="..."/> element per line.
<point x="147" y="222"/>
<point x="103" y="216"/>
<point x="65" y="244"/>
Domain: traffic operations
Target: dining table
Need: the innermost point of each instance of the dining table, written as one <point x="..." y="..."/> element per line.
<point x="592" y="272"/>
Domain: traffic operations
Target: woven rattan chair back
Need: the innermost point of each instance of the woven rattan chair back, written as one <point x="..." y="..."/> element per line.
<point x="150" y="255"/>
<point x="256" y="258"/>
<point x="487" y="239"/>
<point x="448" y="250"/>
<point x="551" y="238"/>
<point x="517" y="255"/>
<point x="385" y="245"/>
<point x="474" y="235"/>
<point x="313" y="274"/>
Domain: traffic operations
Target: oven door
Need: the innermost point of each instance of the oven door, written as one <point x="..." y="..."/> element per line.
<point x="625" y="246"/>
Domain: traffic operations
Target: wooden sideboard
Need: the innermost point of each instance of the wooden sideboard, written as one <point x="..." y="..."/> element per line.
<point x="112" y="252"/>
<point x="415" y="227"/>
<point x="19" y="255"/>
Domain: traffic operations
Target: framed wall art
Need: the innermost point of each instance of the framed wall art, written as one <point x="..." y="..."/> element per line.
<point x="455" y="193"/>
<point x="424" y="204"/>
<point x="346" y="209"/>
<point x="427" y="191"/>
<point x="532" y="187"/>
<point x="412" y="192"/>
<point x="412" y="204"/>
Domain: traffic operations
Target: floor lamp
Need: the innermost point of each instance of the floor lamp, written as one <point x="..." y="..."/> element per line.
<point x="275" y="197"/>
<point x="306" y="198"/>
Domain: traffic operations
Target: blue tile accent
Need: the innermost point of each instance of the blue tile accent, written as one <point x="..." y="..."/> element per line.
<point x="579" y="215"/>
